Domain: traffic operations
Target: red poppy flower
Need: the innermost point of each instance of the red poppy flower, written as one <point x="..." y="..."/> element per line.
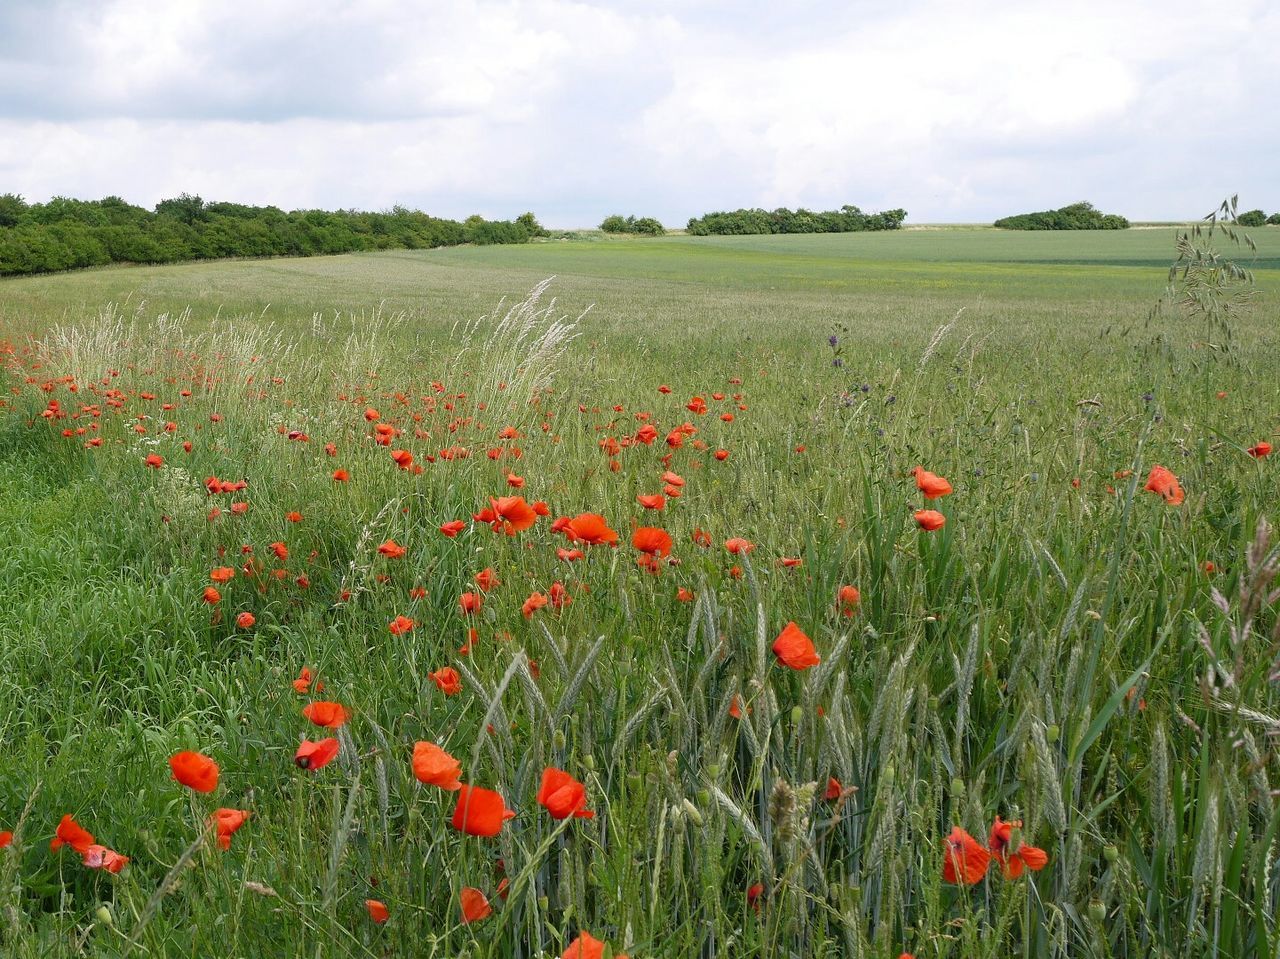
<point x="470" y="603"/>
<point x="377" y="911"/>
<point x="560" y="597"/>
<point x="590" y="528"/>
<point x="195" y="770"/>
<point x="447" y="680"/>
<point x="834" y="789"/>
<point x="930" y="484"/>
<point x="312" y="756"/>
<point x="1163" y="482"/>
<point x="452" y="528"/>
<point x="738" y="545"/>
<point x="480" y="812"/>
<point x="534" y="603"/>
<point x="155" y="461"/>
<point x="401" y="625"/>
<point x="486" y="579"/>
<point x="329" y="715"/>
<point x="341" y="476"/>
<point x="754" y="892"/>
<point x="652" y="540"/>
<point x="6" y="839"/>
<point x="513" y="514"/>
<point x="848" y="598"/>
<point x="227" y="821"/>
<point x="965" y="862"/>
<point x="587" y="946"/>
<point x="100" y="857"/>
<point x="303" y="682"/>
<point x="474" y="905"/>
<point x="1013" y="859"/>
<point x="930" y="519"/>
<point x="246" y="620"/>
<point x="432" y="766"/>
<point x="794" y="649"/>
<point x="222" y="574"/>
<point x="652" y="501"/>
<point x="1259" y="450"/>
<point x="211" y="596"/>
<point x="562" y="795"/>
<point x="71" y="833"/>
<point x="391" y="549"/>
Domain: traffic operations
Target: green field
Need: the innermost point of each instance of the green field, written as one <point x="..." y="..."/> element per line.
<point x="1053" y="654"/>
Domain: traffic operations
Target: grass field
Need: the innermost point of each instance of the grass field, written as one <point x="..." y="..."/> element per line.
<point x="1070" y="650"/>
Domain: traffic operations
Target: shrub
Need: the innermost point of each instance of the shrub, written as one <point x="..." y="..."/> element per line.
<point x="1274" y="219"/>
<point x="645" y="225"/>
<point x="1252" y="218"/>
<point x="848" y="219"/>
<point x="1077" y="216"/>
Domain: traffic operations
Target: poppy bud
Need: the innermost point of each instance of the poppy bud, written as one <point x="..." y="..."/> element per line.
<point x="1051" y="733"/>
<point x="1110" y="853"/>
<point x="543" y="903"/>
<point x="103" y="915"/>
<point x="704" y="796"/>
<point x="797" y="714"/>
<point x="1097" y="910"/>
<point x="634" y="780"/>
<point x="957" y="787"/>
<point x="557" y="741"/>
<point x="714" y="770"/>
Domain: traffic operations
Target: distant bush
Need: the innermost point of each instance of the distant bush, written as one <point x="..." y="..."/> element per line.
<point x="65" y="234"/>
<point x="1252" y="218"/>
<point x="1274" y="219"/>
<point x="1077" y="216"/>
<point x="847" y="219"/>
<point x="645" y="225"/>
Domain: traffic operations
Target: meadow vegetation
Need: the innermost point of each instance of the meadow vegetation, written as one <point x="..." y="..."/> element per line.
<point x="235" y="492"/>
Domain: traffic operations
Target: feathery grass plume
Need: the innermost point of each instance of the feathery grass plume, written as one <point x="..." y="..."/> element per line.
<point x="936" y="340"/>
<point x="167" y="885"/>
<point x="16" y="924"/>
<point x="362" y="557"/>
<point x="518" y="352"/>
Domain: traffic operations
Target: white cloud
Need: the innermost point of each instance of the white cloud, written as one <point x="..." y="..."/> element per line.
<point x="577" y="109"/>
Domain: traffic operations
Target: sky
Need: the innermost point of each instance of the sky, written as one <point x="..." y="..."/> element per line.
<point x="956" y="112"/>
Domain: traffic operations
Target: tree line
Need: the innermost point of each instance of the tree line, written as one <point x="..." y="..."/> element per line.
<point x="847" y="219"/>
<point x="65" y="234"/>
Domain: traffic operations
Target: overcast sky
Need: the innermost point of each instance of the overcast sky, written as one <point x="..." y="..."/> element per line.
<point x="955" y="111"/>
